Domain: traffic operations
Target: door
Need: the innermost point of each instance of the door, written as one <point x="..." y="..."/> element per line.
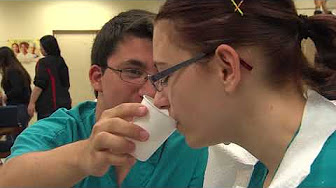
<point x="76" y="50"/>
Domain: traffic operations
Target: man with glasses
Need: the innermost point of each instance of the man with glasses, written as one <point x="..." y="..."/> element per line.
<point x="89" y="145"/>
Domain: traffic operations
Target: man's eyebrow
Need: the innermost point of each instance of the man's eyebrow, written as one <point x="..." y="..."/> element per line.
<point x="135" y="62"/>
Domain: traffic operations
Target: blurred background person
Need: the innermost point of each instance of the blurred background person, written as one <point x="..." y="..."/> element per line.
<point x="15" y="83"/>
<point x="51" y="81"/>
<point x="32" y="50"/>
<point x="321" y="7"/>
<point x="24" y="56"/>
<point x="15" y="48"/>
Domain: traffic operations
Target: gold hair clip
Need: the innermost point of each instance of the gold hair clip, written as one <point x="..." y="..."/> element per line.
<point x="238" y="6"/>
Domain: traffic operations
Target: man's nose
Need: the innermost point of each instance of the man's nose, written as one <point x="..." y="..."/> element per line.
<point x="147" y="89"/>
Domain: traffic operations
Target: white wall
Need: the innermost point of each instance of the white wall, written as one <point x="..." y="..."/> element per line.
<point x="33" y="19"/>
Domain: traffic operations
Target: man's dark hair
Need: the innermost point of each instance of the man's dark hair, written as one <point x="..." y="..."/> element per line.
<point x="137" y="23"/>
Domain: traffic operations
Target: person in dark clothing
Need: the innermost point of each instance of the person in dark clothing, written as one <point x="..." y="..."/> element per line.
<point x="15" y="83"/>
<point x="321" y="7"/>
<point x="51" y="81"/>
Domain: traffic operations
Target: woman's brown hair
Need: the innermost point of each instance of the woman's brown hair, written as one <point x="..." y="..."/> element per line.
<point x="9" y="61"/>
<point x="272" y="25"/>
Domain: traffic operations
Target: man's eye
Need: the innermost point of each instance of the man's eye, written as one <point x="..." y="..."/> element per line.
<point x="133" y="72"/>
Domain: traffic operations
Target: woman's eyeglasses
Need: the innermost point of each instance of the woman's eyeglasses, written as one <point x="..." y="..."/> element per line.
<point x="160" y="80"/>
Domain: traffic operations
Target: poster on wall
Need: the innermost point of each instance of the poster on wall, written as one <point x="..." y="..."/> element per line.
<point x="27" y="51"/>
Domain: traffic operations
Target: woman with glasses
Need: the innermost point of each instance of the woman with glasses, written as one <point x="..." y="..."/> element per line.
<point x="51" y="81"/>
<point x="234" y="72"/>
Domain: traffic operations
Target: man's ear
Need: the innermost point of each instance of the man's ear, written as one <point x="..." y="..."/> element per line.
<point x="95" y="75"/>
<point x="228" y="67"/>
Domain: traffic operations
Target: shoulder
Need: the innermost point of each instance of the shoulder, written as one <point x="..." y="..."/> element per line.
<point x="61" y="128"/>
<point x="47" y="59"/>
<point x="41" y="62"/>
<point x="43" y="59"/>
<point x="65" y="121"/>
<point x="84" y="111"/>
<point x="324" y="166"/>
<point x="328" y="153"/>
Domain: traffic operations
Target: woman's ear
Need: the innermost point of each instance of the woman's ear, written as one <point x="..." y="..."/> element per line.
<point x="228" y="67"/>
<point x="95" y="75"/>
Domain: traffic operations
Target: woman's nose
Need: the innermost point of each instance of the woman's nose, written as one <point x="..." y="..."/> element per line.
<point x="161" y="101"/>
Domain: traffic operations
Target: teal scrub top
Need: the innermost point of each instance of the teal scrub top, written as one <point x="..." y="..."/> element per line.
<point x="322" y="171"/>
<point x="174" y="164"/>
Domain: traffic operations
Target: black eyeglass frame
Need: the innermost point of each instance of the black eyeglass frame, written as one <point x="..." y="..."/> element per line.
<point x="121" y="71"/>
<point x="158" y="76"/>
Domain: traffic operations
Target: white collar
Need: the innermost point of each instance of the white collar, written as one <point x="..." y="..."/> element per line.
<point x="318" y="123"/>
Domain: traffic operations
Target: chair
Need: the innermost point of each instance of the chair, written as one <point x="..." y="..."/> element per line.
<point x="10" y="127"/>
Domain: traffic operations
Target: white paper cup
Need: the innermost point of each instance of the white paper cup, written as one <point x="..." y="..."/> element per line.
<point x="159" y="126"/>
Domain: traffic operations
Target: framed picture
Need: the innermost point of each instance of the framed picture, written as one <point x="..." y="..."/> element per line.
<point x="27" y="51"/>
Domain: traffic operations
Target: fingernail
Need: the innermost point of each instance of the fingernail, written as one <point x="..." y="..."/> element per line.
<point x="142" y="110"/>
<point x="144" y="135"/>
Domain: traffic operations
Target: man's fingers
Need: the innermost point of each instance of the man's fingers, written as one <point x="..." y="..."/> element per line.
<point x="122" y="128"/>
<point x="126" y="110"/>
<point x="121" y="160"/>
<point x="104" y="141"/>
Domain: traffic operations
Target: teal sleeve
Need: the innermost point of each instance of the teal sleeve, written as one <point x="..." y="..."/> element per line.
<point x="44" y="135"/>
<point x="199" y="171"/>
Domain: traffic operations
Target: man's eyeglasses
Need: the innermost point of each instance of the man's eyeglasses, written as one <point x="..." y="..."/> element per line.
<point x="160" y="80"/>
<point x="133" y="76"/>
